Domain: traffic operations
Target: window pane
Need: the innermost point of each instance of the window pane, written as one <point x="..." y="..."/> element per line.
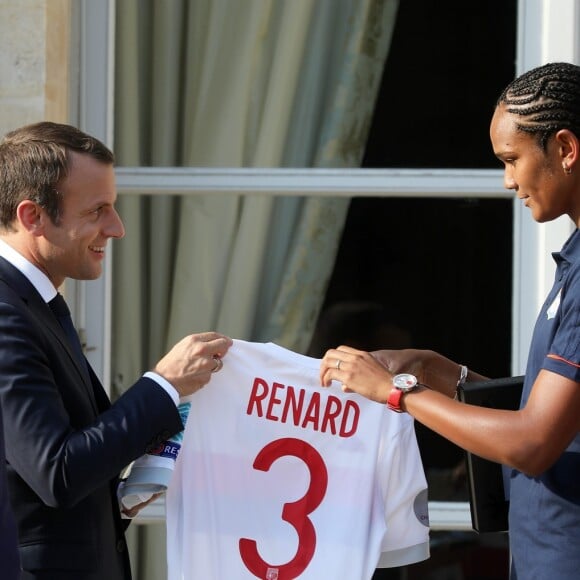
<point x="429" y="273"/>
<point x="441" y="274"/>
<point x="444" y="71"/>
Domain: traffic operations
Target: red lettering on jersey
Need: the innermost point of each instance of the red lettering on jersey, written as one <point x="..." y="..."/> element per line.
<point x="259" y="392"/>
<point x="332" y="411"/>
<point x="312" y="414"/>
<point x="303" y="409"/>
<point x="294" y="405"/>
<point x="296" y="513"/>
<point x="274" y="401"/>
<point x="350" y="408"/>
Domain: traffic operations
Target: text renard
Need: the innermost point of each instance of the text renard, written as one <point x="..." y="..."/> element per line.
<point x="315" y="410"/>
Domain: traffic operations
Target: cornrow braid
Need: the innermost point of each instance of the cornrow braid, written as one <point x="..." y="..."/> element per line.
<point x="547" y="99"/>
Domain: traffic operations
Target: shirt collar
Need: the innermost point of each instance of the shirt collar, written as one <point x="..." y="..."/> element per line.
<point x="570" y="251"/>
<point x="35" y="276"/>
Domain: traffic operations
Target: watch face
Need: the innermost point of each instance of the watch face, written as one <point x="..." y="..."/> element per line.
<point x="405" y="381"/>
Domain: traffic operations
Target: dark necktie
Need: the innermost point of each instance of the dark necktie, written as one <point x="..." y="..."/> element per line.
<point x="61" y="311"/>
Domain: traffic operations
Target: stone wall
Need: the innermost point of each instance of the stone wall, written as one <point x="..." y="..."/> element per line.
<point x="22" y="62"/>
<point x="34" y="61"/>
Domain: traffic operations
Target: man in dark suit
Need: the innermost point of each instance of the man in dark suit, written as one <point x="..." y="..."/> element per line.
<point x="67" y="443"/>
<point x="9" y="559"/>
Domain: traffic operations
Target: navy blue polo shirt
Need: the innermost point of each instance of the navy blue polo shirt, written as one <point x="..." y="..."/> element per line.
<point x="544" y="524"/>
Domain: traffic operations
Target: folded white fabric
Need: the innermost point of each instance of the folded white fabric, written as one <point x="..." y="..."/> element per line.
<point x="151" y="473"/>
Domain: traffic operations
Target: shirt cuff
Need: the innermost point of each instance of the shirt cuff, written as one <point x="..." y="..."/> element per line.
<point x="165" y="385"/>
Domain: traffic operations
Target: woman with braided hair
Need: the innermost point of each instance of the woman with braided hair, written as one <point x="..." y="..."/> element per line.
<point x="535" y="133"/>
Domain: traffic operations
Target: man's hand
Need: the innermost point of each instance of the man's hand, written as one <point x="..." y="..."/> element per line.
<point x="189" y="364"/>
<point x="132" y="512"/>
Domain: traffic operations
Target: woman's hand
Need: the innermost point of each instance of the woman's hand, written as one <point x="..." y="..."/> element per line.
<point x="371" y="374"/>
<point x="358" y="371"/>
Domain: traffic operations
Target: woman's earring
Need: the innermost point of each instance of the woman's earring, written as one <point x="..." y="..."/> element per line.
<point x="567" y="169"/>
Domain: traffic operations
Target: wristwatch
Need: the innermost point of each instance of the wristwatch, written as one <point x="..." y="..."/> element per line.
<point x="402" y="384"/>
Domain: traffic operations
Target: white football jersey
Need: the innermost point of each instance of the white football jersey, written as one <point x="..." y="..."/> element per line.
<point x="279" y="478"/>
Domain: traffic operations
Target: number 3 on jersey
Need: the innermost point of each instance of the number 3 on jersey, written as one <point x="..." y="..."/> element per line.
<point x="295" y="513"/>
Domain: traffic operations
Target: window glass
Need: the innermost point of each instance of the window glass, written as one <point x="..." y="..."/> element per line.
<point x="444" y="71"/>
<point x="436" y="274"/>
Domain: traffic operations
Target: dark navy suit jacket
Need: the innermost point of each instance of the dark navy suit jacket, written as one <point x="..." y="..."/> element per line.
<point x="9" y="559"/>
<point x="66" y="444"/>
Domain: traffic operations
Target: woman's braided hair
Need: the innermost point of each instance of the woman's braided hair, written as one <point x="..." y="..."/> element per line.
<point x="547" y="99"/>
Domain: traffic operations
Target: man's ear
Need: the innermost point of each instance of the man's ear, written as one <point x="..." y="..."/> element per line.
<point x="31" y="217"/>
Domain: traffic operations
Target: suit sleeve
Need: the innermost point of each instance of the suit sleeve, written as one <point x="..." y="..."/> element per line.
<point x="57" y="440"/>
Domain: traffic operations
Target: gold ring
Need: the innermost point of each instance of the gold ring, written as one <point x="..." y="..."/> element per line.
<point x="218" y="363"/>
<point x="338" y="361"/>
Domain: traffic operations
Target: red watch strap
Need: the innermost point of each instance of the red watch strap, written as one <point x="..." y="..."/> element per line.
<point x="394" y="400"/>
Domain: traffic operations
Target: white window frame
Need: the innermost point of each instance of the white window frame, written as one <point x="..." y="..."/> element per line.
<point x="548" y="30"/>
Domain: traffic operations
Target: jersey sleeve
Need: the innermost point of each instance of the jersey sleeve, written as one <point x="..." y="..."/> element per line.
<point x="564" y="351"/>
<point x="404" y="491"/>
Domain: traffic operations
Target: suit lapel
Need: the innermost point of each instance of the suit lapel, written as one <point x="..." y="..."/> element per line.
<point x="42" y="312"/>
